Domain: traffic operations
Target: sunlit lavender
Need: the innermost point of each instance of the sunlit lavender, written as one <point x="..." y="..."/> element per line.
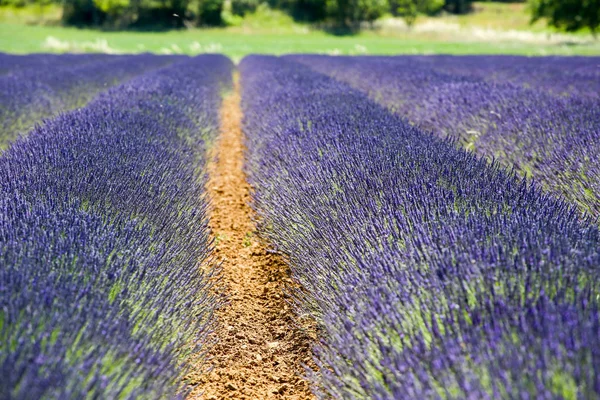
<point x="431" y="272"/>
<point x="103" y="234"/>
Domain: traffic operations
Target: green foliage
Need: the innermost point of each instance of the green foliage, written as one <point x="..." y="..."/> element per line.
<point x="14" y="3"/>
<point x="209" y="12"/>
<point x="24" y="3"/>
<point x="141" y="13"/>
<point x="302" y="10"/>
<point x="82" y="12"/>
<point x="570" y="15"/>
<point x="243" y="7"/>
<point x="114" y="10"/>
<point x="111" y="6"/>
<point x="350" y="13"/>
<point x="406" y="9"/>
<point x="458" y="6"/>
<point x="410" y="9"/>
<point x="431" y="7"/>
<point x="309" y="10"/>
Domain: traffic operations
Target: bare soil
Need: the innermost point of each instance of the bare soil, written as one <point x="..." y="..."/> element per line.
<point x="261" y="348"/>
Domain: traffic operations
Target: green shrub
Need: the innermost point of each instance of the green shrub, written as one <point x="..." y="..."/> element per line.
<point x="458" y="6"/>
<point x="350" y="13"/>
<point x="409" y="9"/>
<point x="209" y="12"/>
<point x="570" y="15"/>
<point x="243" y="7"/>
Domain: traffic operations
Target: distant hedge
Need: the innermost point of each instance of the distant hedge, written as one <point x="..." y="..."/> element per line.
<point x="569" y="15"/>
<point x="168" y="14"/>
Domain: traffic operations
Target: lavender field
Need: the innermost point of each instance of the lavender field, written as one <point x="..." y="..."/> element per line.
<point x="438" y="217"/>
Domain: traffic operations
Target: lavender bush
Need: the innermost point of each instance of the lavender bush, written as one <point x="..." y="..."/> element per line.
<point x="432" y="273"/>
<point x="104" y="251"/>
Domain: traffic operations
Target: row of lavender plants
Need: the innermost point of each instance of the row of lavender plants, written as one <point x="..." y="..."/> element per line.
<point x="431" y="273"/>
<point x="104" y="251"/>
<point x="558" y="75"/>
<point x="14" y="63"/>
<point x="543" y="121"/>
<point x="31" y="94"/>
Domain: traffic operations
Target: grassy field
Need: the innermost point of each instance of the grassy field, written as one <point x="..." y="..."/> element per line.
<point x="493" y="29"/>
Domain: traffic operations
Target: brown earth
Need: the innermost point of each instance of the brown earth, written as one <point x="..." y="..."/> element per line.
<point x="261" y="348"/>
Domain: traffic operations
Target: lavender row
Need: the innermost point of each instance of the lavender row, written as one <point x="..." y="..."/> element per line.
<point x="29" y="96"/>
<point x="431" y="273"/>
<point x="15" y="64"/>
<point x="104" y="251"/>
<point x="561" y="76"/>
<point x="554" y="139"/>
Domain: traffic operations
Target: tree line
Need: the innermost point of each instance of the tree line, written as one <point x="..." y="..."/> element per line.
<point x="177" y="13"/>
<point x="569" y="15"/>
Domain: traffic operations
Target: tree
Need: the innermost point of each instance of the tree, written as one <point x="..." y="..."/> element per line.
<point x="243" y="7"/>
<point x="127" y="13"/>
<point x="350" y="13"/>
<point x="569" y="15"/>
<point x="82" y="12"/>
<point x="458" y="6"/>
<point x="209" y="12"/>
<point x="112" y="9"/>
<point x="308" y="10"/>
<point x="409" y="9"/>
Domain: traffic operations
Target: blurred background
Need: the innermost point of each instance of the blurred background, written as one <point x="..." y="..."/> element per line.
<point x="239" y="27"/>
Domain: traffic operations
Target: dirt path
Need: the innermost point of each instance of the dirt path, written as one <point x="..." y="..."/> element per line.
<point x="259" y="353"/>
